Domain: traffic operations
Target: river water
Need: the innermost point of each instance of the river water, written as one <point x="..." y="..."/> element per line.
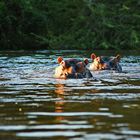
<point x="35" y="105"/>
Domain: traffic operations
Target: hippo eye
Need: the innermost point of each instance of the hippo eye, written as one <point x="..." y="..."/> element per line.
<point x="98" y="59"/>
<point x="62" y="63"/>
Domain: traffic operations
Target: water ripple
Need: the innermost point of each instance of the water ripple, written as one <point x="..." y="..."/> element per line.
<point x="74" y="114"/>
<point x="50" y="134"/>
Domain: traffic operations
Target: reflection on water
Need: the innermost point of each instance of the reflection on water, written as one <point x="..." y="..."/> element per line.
<point x="59" y="105"/>
<point x="34" y="105"/>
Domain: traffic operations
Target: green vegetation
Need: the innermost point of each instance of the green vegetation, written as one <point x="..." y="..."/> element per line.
<point x="74" y="24"/>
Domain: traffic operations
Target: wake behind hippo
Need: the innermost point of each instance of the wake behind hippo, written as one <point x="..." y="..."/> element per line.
<point x="72" y="68"/>
<point x="105" y="63"/>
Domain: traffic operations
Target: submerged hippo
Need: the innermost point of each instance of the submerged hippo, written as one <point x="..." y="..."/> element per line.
<point x="72" y="68"/>
<point x="105" y="63"/>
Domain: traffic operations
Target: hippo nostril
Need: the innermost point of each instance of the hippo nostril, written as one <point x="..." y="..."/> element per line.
<point x="66" y="73"/>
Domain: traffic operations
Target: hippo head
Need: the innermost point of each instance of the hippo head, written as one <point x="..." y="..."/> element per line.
<point x="98" y="63"/>
<point x="114" y="63"/>
<point x="105" y="63"/>
<point x="72" y="68"/>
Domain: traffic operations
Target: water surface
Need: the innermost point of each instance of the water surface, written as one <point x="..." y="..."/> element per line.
<point x="35" y="105"/>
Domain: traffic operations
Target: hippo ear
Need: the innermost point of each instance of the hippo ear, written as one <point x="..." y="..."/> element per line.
<point x="93" y="56"/>
<point x="59" y="59"/>
<point x="118" y="57"/>
<point x="86" y="61"/>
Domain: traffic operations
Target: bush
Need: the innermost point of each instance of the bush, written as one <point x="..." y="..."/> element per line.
<point x="75" y="24"/>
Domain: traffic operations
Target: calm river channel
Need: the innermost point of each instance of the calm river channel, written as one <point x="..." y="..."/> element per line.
<point x="35" y="105"/>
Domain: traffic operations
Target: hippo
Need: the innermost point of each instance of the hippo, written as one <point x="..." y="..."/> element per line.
<point x="72" y="68"/>
<point x="105" y="63"/>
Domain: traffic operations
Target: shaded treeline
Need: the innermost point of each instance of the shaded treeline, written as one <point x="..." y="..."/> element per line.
<point x="74" y="24"/>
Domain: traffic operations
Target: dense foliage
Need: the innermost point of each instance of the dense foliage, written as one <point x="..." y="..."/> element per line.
<point x="74" y="24"/>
